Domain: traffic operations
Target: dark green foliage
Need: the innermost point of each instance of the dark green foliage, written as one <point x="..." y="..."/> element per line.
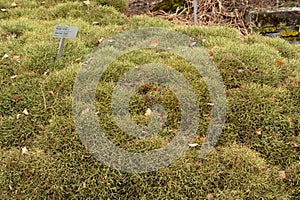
<point x="120" y="5"/>
<point x="170" y="5"/>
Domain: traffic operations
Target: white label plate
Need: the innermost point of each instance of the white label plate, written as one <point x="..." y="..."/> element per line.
<point x="65" y="31"/>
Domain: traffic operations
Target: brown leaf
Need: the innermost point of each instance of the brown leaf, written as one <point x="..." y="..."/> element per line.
<point x="87" y="2"/>
<point x="155" y="89"/>
<point x="239" y="71"/>
<point x="282" y="174"/>
<point x="200" y="139"/>
<point x="17" y="58"/>
<point x="16" y="98"/>
<point x="148" y="112"/>
<point x="173" y="131"/>
<point x="13" y="5"/>
<point x="100" y="40"/>
<point x="42" y="127"/>
<point x="280" y="62"/>
<point x="209" y="196"/>
<point x="44" y="76"/>
<point x="77" y="60"/>
<point x="154" y="43"/>
<point x="167" y="171"/>
<point x="258" y="131"/>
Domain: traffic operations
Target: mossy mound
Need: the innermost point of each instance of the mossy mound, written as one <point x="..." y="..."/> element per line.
<point x="257" y="154"/>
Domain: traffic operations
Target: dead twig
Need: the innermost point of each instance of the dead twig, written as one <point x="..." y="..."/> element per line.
<point x="216" y="12"/>
<point x="44" y="98"/>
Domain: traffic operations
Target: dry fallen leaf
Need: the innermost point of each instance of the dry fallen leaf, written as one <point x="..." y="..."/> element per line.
<point x="169" y="66"/>
<point x="193" y="43"/>
<point x="167" y="171"/>
<point x="44" y="76"/>
<point x="282" y="174"/>
<point x="87" y="2"/>
<point x="42" y="127"/>
<point x="17" y="58"/>
<point x="13" y="5"/>
<point x="148" y="112"/>
<point x="173" y="131"/>
<point x="52" y="94"/>
<point x="16" y="98"/>
<point x="95" y="23"/>
<point x="24" y="150"/>
<point x="200" y="139"/>
<point x="280" y="62"/>
<point x="18" y="116"/>
<point x="10" y="187"/>
<point x="77" y="60"/>
<point x="25" y="112"/>
<point x="84" y="185"/>
<point x="290" y="122"/>
<point x="5" y="56"/>
<point x="209" y="197"/>
<point x="154" y="43"/>
<point x="258" y="131"/>
<point x="239" y="71"/>
<point x="193" y="145"/>
<point x="100" y="40"/>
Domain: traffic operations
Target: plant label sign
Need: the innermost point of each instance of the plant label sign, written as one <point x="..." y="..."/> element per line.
<point x="65" y="31"/>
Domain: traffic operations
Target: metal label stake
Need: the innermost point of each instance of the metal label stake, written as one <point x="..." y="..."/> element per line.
<point x="60" y="47"/>
<point x="64" y="32"/>
<point x="195" y="12"/>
